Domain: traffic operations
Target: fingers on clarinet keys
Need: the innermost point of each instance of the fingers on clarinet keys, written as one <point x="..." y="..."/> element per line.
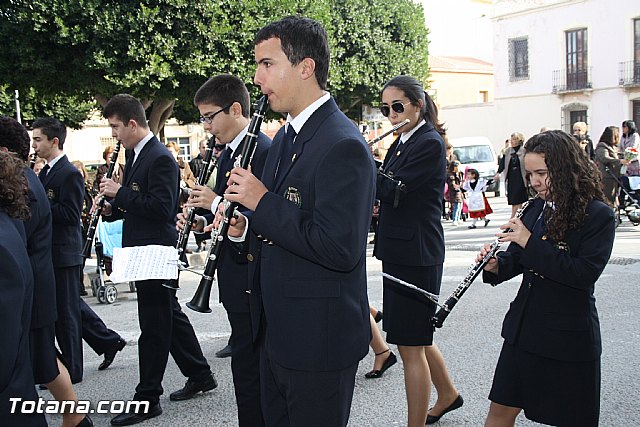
<point x="389" y="362"/>
<point x="432" y="419"/>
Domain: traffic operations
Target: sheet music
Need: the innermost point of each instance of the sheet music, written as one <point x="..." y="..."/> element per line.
<point x="144" y="263"/>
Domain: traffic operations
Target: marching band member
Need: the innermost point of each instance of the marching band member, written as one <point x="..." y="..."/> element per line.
<point x="549" y="365"/>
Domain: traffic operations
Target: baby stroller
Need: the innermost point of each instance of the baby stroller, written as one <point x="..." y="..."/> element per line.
<point x="629" y="198"/>
<point x="109" y="236"/>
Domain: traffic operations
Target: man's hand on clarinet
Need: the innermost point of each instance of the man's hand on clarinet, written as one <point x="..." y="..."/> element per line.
<point x="245" y="188"/>
<point x="181" y="222"/>
<point x="237" y="222"/>
<point x="201" y="197"/>
<point x="109" y="187"/>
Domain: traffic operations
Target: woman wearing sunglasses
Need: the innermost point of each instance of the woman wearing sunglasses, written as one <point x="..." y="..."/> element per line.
<point x="410" y="243"/>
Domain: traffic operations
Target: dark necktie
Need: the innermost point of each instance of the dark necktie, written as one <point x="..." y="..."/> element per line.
<point x="44" y="171"/>
<point x="286" y="151"/>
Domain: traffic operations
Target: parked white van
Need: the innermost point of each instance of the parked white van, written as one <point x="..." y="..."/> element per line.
<point x="476" y="152"/>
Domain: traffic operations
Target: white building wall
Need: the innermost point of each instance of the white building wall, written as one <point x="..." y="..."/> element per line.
<point x="527" y="105"/>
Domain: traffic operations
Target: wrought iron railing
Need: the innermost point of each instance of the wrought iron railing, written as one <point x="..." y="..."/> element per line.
<point x="629" y="73"/>
<point x="571" y="80"/>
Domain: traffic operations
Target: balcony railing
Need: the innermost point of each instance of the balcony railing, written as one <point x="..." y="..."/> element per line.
<point x="571" y="81"/>
<point x="629" y="73"/>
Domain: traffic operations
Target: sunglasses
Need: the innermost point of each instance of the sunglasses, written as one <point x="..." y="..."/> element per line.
<point x="398" y="107"/>
<point x="208" y="119"/>
<point x="219" y="147"/>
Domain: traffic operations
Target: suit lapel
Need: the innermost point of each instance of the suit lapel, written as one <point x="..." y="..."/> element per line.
<point x="271" y="163"/>
<point x="401" y="152"/>
<point x="308" y="130"/>
<point x="139" y="158"/>
<point x="54" y="170"/>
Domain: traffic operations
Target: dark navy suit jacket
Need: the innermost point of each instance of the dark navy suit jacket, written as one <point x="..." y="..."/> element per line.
<point x="64" y="187"/>
<point x="232" y="266"/>
<point x="312" y="279"/>
<point x="411" y="233"/>
<point x="554" y="313"/>
<point x="38" y="231"/>
<point x="148" y="197"/>
<point x="16" y="293"/>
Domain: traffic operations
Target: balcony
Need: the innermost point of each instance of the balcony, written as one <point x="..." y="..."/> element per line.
<point x="629" y="74"/>
<point x="572" y="81"/>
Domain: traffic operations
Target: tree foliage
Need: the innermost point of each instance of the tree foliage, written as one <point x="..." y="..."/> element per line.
<point x="161" y="51"/>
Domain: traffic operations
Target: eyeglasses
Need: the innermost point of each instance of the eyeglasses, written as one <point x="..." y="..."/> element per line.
<point x="209" y="119"/>
<point x="219" y="147"/>
<point x="398" y="107"/>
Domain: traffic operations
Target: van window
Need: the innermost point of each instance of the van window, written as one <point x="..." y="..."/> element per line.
<point x="474" y="154"/>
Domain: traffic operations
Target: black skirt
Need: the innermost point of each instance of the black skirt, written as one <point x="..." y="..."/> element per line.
<point x="44" y="354"/>
<point x="407" y="313"/>
<point x="553" y="392"/>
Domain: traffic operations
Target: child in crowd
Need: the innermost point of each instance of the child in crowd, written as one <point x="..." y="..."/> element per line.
<point x="454" y="181"/>
<point x="479" y="207"/>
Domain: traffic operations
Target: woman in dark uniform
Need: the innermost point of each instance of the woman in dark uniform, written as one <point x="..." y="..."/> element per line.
<point x="513" y="175"/>
<point x="410" y="242"/>
<point x="549" y="365"/>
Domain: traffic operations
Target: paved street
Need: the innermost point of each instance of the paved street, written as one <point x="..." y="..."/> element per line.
<point x="470" y="341"/>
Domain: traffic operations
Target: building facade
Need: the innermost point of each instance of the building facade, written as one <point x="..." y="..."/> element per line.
<point x="558" y="62"/>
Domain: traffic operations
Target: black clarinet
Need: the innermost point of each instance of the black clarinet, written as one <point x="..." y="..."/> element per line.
<point x="32" y="160"/>
<point x="200" y="300"/>
<point x="95" y="216"/>
<point x="445" y="309"/>
<point x="210" y="163"/>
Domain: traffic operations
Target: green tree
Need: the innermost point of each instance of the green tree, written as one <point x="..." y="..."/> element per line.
<point x="161" y="51"/>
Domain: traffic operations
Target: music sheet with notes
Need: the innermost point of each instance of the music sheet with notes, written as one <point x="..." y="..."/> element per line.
<point x="144" y="263"/>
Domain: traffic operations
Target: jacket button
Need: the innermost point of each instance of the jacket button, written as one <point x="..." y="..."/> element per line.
<point x="250" y="257"/>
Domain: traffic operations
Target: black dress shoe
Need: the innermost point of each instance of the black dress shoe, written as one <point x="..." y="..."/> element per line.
<point x="130" y="418"/>
<point x="377" y="373"/>
<point x="111" y="354"/>
<point x="86" y="422"/>
<point x="191" y="388"/>
<point x="432" y="419"/>
<point x="225" y="352"/>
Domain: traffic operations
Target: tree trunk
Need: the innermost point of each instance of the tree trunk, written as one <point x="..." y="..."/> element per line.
<point x="161" y="110"/>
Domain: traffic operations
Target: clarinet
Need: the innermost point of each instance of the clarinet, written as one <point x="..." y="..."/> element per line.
<point x="32" y="160"/>
<point x="95" y="216"/>
<point x="200" y="300"/>
<point x="210" y="163"/>
<point x="445" y="309"/>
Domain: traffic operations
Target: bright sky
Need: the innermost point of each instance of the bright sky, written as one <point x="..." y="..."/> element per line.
<point x="459" y="28"/>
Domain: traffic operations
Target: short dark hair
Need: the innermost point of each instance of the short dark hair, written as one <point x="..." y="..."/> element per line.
<point x="14" y="137"/>
<point x="300" y="38"/>
<point x="413" y="90"/>
<point x="53" y="128"/>
<point x="631" y="126"/>
<point x="125" y="107"/>
<point x="223" y="90"/>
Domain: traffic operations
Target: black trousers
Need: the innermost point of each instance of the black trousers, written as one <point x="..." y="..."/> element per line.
<point x="69" y="323"/>
<point x="303" y="398"/>
<point x="95" y="332"/>
<point x="245" y="368"/>
<point x="165" y="330"/>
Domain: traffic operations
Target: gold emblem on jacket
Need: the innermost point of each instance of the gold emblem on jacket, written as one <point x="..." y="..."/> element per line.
<point x="293" y="195"/>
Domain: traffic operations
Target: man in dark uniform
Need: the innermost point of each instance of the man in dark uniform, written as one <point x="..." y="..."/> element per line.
<point x="230" y="127"/>
<point x="64" y="187"/>
<point x="311" y="213"/>
<point x="146" y="201"/>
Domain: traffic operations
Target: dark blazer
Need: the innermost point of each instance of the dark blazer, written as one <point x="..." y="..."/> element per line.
<point x="148" y="198"/>
<point x="312" y="277"/>
<point x="39" y="232"/>
<point x="411" y="233"/>
<point x="232" y="266"/>
<point x="554" y="313"/>
<point x="16" y="293"/>
<point x="64" y="187"/>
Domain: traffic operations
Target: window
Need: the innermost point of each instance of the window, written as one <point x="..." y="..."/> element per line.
<point x="636" y="111"/>
<point x="185" y="147"/>
<point x="577" y="59"/>
<point x="577" y="116"/>
<point x="519" y="59"/>
<point x="574" y="112"/>
<point x="484" y="96"/>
